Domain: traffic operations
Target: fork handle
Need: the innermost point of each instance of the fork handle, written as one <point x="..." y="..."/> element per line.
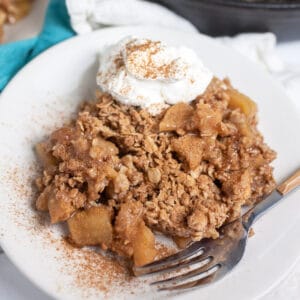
<point x="289" y="184"/>
<point x="282" y="189"/>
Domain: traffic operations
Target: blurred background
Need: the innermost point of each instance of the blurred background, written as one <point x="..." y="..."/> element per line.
<point x="21" y="19"/>
<point x="211" y="17"/>
<point x="230" y="17"/>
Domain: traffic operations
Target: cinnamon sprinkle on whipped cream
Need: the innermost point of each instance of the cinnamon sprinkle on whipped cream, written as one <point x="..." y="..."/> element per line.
<point x="151" y="75"/>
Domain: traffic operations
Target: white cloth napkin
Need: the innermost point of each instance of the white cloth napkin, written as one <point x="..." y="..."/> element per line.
<point x="88" y="15"/>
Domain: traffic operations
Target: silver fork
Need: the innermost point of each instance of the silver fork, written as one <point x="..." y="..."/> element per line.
<point x="215" y="258"/>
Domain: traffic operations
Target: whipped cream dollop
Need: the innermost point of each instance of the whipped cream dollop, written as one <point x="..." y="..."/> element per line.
<point x="150" y="74"/>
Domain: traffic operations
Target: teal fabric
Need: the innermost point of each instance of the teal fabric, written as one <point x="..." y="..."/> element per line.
<point x="13" y="56"/>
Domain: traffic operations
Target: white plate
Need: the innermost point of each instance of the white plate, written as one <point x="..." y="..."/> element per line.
<point x="45" y="92"/>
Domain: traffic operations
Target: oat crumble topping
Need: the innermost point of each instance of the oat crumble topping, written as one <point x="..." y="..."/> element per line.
<point x="116" y="173"/>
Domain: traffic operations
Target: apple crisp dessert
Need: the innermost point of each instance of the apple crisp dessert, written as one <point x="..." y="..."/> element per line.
<point x="12" y="11"/>
<point x="116" y="173"/>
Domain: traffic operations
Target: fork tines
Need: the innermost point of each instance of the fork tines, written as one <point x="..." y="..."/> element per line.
<point x="203" y="268"/>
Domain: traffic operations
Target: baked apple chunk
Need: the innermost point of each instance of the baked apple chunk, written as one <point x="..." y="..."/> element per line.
<point x="91" y="227"/>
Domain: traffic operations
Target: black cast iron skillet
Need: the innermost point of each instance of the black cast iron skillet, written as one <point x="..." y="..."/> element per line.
<point x="221" y="17"/>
